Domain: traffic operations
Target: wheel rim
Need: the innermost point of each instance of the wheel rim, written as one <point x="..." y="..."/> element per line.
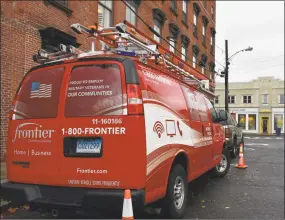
<point x="179" y="192"/>
<point x="221" y="167"/>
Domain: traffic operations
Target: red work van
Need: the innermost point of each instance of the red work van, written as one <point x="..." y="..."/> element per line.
<point x="82" y="131"/>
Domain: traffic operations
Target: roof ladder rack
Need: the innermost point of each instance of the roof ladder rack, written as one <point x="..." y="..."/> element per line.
<point x="125" y="39"/>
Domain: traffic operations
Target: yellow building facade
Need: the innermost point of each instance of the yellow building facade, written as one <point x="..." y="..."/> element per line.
<point x="258" y="105"/>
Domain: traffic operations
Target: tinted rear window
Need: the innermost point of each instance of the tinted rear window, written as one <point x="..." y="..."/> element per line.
<point x="94" y="90"/>
<point x="39" y="94"/>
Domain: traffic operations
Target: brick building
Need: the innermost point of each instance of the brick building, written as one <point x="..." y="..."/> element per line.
<point x="27" y="26"/>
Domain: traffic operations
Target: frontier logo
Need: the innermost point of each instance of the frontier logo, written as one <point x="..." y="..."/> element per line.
<point x="35" y="133"/>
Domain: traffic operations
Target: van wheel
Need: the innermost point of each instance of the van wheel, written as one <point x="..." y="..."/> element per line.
<point x="223" y="167"/>
<point x="175" y="200"/>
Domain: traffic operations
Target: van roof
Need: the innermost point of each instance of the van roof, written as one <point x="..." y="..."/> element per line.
<point x="125" y="39"/>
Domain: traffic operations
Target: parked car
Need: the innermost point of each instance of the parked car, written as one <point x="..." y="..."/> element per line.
<point x="233" y="135"/>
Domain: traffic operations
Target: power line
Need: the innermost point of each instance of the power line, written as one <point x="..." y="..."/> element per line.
<point x="220" y="63"/>
<point x="159" y="35"/>
<point x="219" y="48"/>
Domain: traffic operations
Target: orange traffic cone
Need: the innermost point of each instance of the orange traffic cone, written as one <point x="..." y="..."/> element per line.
<point x="241" y="164"/>
<point x="127" y="206"/>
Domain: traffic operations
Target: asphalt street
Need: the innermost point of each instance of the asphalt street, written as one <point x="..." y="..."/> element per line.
<point x="253" y="193"/>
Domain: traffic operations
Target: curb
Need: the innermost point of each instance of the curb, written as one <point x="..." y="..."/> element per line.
<point x="263" y="135"/>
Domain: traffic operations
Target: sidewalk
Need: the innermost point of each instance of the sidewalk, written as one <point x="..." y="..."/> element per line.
<point x="260" y="135"/>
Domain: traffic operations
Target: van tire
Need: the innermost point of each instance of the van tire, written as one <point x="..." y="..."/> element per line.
<point x="234" y="153"/>
<point x="217" y="171"/>
<point x="172" y="209"/>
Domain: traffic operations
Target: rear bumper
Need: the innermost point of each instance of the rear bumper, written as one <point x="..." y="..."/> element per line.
<point x="50" y="197"/>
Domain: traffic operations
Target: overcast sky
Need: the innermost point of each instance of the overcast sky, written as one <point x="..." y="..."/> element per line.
<point x="259" y="24"/>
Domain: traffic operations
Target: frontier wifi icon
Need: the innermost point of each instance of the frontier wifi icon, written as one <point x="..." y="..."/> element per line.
<point x="158" y="128"/>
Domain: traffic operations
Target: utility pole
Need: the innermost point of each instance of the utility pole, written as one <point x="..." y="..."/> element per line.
<point x="227" y="78"/>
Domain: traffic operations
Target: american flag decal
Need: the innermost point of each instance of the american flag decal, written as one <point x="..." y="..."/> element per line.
<point x="40" y="90"/>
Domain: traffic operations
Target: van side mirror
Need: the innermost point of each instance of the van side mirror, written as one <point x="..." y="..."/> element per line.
<point x="223" y="115"/>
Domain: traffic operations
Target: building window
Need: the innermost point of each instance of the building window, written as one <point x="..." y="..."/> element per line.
<point x="196" y="12"/>
<point x="172" y="46"/>
<point x="52" y="37"/>
<point x="173" y="34"/>
<point x="184" y="11"/>
<point x="159" y="18"/>
<point x="212" y="71"/>
<point x="212" y="40"/>
<point x="231" y="99"/>
<point x="158" y="30"/>
<point x="217" y="100"/>
<point x="265" y="99"/>
<point x="247" y="99"/>
<point x="204" y="28"/>
<point x="252" y="122"/>
<point x="213" y="12"/>
<point x="183" y="51"/>
<point x="211" y="44"/>
<point x="173" y="7"/>
<point x="105" y="13"/>
<point x="203" y="70"/>
<point x="203" y="62"/>
<point x="185" y="40"/>
<point x="242" y="120"/>
<point x="281" y="99"/>
<point x="195" y="22"/>
<point x="196" y="51"/>
<point x="62" y="2"/>
<point x="278" y="121"/>
<point x="130" y="15"/>
<point x="204" y="34"/>
<point x="247" y="121"/>
<point x="194" y="60"/>
<point x="205" y="3"/>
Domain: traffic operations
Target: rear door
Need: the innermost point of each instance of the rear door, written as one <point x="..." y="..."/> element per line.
<point x="101" y="142"/>
<point x="34" y="131"/>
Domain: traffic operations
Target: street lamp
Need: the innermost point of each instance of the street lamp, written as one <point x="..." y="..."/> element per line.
<point x="226" y="72"/>
<point x="247" y="49"/>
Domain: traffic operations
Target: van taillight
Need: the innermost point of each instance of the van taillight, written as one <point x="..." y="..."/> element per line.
<point x="135" y="106"/>
<point x="227" y="133"/>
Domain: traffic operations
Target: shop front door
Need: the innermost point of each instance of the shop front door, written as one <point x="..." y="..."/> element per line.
<point x="264" y="124"/>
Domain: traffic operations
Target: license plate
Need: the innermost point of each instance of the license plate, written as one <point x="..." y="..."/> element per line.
<point x="89" y="146"/>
